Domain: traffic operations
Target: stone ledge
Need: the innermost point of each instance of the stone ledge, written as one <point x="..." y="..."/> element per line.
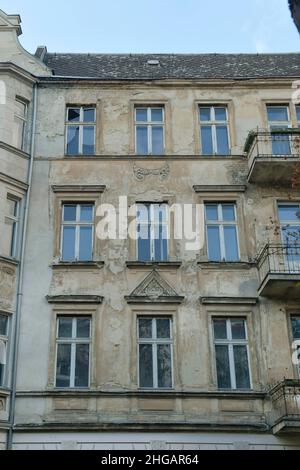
<point x="239" y="265"/>
<point x="240" y="188"/>
<point x="82" y="188"/>
<point x="78" y="265"/>
<point x="153" y="264"/>
<point x="74" y="299"/>
<point x="8" y="260"/>
<point x="143" y="299"/>
<point x="229" y="300"/>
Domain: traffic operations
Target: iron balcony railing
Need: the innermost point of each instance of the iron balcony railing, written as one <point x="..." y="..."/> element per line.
<point x="285" y="398"/>
<point x="278" y="259"/>
<point x="271" y="144"/>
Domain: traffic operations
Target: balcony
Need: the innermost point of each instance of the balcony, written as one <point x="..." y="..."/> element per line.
<point x="279" y="271"/>
<point x="273" y="155"/>
<point x="285" y="414"/>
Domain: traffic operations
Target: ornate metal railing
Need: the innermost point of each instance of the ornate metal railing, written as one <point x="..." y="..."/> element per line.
<point x="278" y="258"/>
<point x="272" y="144"/>
<point x="285" y="399"/>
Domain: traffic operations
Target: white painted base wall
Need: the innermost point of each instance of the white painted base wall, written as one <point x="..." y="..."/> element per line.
<point x="152" y="441"/>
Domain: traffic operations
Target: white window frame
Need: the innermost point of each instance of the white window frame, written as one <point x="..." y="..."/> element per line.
<point x="81" y="124"/>
<point x="77" y="225"/>
<point x="221" y="224"/>
<point x="23" y="119"/>
<point x="15" y="221"/>
<point x="5" y="339"/>
<point x="149" y="124"/>
<point x="154" y="341"/>
<point x="213" y="124"/>
<point x="73" y="341"/>
<point x="153" y="224"/>
<point x="230" y="343"/>
<point x="285" y="124"/>
<point x="295" y="315"/>
<point x="286" y="223"/>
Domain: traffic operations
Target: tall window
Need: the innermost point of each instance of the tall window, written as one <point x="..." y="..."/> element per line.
<point x="279" y="118"/>
<point x="3" y="346"/>
<point x="77" y="232"/>
<point x="232" y="354"/>
<point x="214" y="130"/>
<point x="80" y="130"/>
<point x="73" y="341"/>
<point x="155" y="352"/>
<point x="149" y="130"/>
<point x="12" y="222"/>
<point x="221" y="232"/>
<point x="296" y="336"/>
<point x="152" y="232"/>
<point x="20" y="123"/>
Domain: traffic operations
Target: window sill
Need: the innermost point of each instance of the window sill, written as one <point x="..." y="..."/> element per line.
<point x="153" y="264"/>
<point x="9" y="260"/>
<point x="237" y="265"/>
<point x="78" y="265"/>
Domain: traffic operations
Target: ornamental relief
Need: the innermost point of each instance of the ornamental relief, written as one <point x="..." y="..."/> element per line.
<point x="141" y="173"/>
<point x="7" y="286"/>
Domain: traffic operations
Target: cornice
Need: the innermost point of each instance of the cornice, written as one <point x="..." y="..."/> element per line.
<point x="11" y="68"/>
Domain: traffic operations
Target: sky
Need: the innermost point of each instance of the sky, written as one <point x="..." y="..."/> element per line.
<point x="182" y="26"/>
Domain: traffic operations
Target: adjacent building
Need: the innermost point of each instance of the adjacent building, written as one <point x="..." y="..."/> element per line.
<point x="148" y="341"/>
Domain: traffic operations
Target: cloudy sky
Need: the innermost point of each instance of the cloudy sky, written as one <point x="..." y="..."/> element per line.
<point x="156" y="25"/>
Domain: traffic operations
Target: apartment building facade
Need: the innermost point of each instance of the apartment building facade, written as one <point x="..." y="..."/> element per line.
<point x="149" y="341"/>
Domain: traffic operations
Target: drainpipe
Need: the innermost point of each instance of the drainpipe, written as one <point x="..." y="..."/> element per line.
<point x="16" y="332"/>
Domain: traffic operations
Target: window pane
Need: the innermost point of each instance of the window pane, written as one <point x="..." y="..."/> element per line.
<point x="144" y="250"/>
<point x="65" y="327"/>
<point x="241" y="366"/>
<point x="163" y="328"/>
<point x="143" y="213"/>
<point x="74" y="114"/>
<point x="11" y="236"/>
<point x="238" y="330"/>
<point x="222" y="140"/>
<point x="69" y="213"/>
<point x="88" y="146"/>
<point x="1" y="374"/>
<point x="220" y="114"/>
<point x="89" y="115"/>
<point x="220" y="331"/>
<point x="86" y="213"/>
<point x="145" y="328"/>
<point x="206" y="140"/>
<point x="296" y="327"/>
<point x="3" y="325"/>
<point x="164" y="367"/>
<point x="231" y="244"/>
<point x="20" y="108"/>
<point x="204" y="114"/>
<point x="280" y="142"/>
<point x="278" y="113"/>
<point x="223" y="368"/>
<point x="141" y="114"/>
<point x="63" y="365"/>
<point x="214" y="252"/>
<point x="72" y="140"/>
<point x="12" y="207"/>
<point x="157" y="140"/>
<point x="160" y="243"/>
<point x="68" y="246"/>
<point x="83" y="328"/>
<point x="156" y="115"/>
<point x="289" y="212"/>
<point x="82" y="365"/>
<point x="145" y="365"/>
<point x="211" y="212"/>
<point x="298" y="112"/>
<point x="228" y="213"/>
<point x="85" y="243"/>
<point x="142" y="140"/>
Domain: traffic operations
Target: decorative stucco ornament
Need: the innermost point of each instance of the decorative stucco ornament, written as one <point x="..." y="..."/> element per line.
<point x="141" y="173"/>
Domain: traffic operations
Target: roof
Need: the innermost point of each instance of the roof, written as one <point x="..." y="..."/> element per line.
<point x="173" y="66"/>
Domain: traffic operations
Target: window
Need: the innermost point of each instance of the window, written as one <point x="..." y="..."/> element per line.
<point x="296" y="336"/>
<point x="152" y="232"/>
<point x="289" y="216"/>
<point x="232" y="355"/>
<point x="279" y="118"/>
<point x="20" y="123"/>
<point x="80" y="130"/>
<point x="298" y="116"/>
<point x="73" y="339"/>
<point x="155" y="352"/>
<point x="3" y="346"/>
<point x="149" y="130"/>
<point x="77" y="232"/>
<point x="12" y="222"/>
<point x="214" y="132"/>
<point x="221" y="232"/>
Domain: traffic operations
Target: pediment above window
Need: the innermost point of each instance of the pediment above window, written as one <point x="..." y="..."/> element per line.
<point x="154" y="289"/>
